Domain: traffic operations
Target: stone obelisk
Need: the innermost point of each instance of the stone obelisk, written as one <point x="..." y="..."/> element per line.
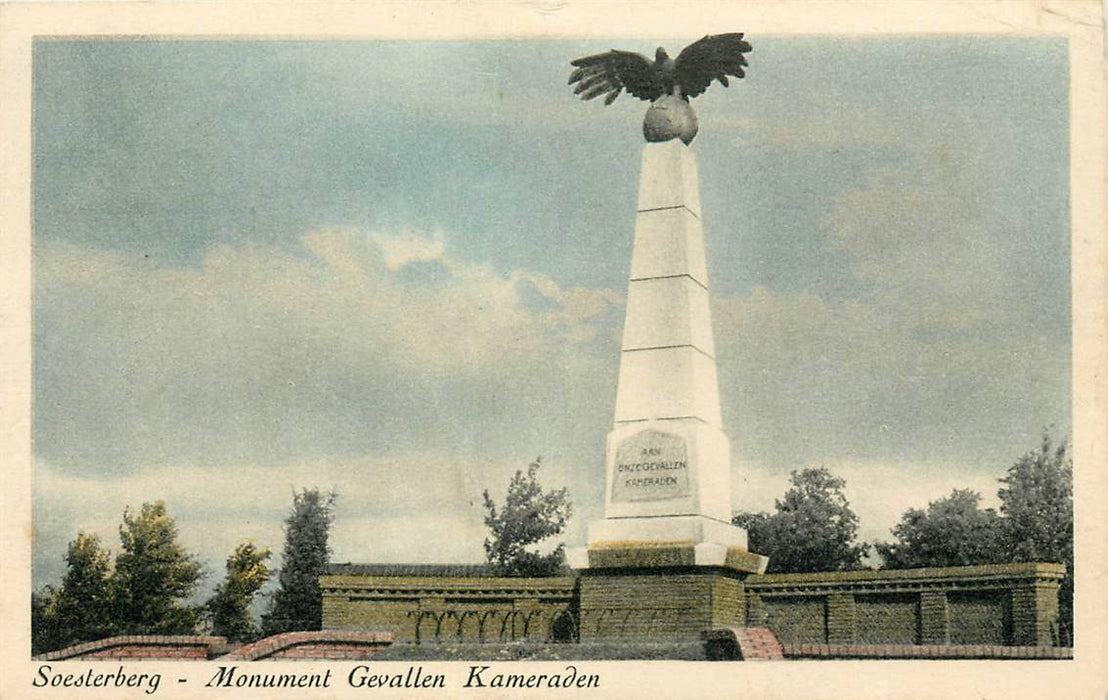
<point x="668" y="466"/>
<point x="665" y="562"/>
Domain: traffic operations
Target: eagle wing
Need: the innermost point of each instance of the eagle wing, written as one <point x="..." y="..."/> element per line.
<point x="612" y="72"/>
<point x="712" y="58"/>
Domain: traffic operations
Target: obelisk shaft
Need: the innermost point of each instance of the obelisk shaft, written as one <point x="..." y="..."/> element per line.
<point x="667" y="364"/>
<point x="668" y="460"/>
<point x="668" y="463"/>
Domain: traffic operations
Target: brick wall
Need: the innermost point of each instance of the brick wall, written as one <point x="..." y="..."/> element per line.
<point x="1001" y="604"/>
<point x="842" y="617"/>
<point x="742" y="644"/>
<point x="677" y="605"/>
<point x="1005" y="604"/>
<point x="798" y="619"/>
<point x="138" y="647"/>
<point x="923" y="651"/>
<point x="314" y="644"/>
<point x="1034" y="612"/>
<point x="934" y="618"/>
<point x="728" y="601"/>
<point x="431" y="603"/>
<point x="887" y="619"/>
<point x="980" y="617"/>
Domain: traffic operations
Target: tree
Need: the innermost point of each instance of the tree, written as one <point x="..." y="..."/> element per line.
<point x="47" y="634"/>
<point x="83" y="603"/>
<point x="153" y="574"/>
<point x="298" y="603"/>
<point x="1035" y="524"/>
<point x="229" y="607"/>
<point x="953" y="531"/>
<point x="528" y="517"/>
<point x="1036" y="499"/>
<point x="813" y="528"/>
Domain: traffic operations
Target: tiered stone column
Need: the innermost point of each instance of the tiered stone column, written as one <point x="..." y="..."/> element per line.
<point x="668" y="477"/>
<point x="667" y="498"/>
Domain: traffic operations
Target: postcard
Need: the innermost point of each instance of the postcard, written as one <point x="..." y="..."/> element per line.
<point x="493" y="349"/>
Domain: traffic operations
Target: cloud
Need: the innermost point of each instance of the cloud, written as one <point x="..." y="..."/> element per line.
<point x="220" y="388"/>
<point x="409" y="246"/>
<point x="804" y="379"/>
<point x="951" y="340"/>
<point x="262" y="354"/>
<point x="878" y="492"/>
<point x="223" y="387"/>
<point x="931" y="204"/>
<point x="418" y="507"/>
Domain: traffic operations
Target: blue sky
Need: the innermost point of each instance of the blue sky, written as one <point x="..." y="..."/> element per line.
<point x="397" y="268"/>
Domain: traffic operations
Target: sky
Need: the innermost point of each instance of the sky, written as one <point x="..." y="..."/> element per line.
<point x="398" y="269"/>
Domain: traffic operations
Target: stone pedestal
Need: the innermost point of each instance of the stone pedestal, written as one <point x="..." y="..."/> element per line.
<point x="643" y="604"/>
<point x="668" y="466"/>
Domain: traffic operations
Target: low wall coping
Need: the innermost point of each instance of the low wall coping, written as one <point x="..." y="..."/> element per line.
<point x="480" y="574"/>
<point x="271" y="645"/>
<point x="985" y="572"/>
<point x="215" y="645"/>
<point x="377" y="577"/>
<point x="409" y="570"/>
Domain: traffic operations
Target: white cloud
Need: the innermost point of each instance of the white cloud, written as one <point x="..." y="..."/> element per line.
<point x="266" y="354"/>
<point x="409" y="246"/>
<point x="878" y="492"/>
<point x="221" y="388"/>
<point x="413" y="508"/>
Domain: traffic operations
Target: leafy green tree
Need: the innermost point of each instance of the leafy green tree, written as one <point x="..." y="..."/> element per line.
<point x="83" y="603"/>
<point x="953" y="531"/>
<point x="229" y="607"/>
<point x="298" y="603"/>
<point x="1036" y="500"/>
<point x="1035" y="524"/>
<point x="528" y="517"/>
<point x="153" y="574"/>
<point x="812" y="529"/>
<point x="47" y="633"/>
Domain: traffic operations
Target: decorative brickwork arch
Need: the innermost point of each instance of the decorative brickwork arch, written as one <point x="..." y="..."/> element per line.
<point x="420" y="616"/>
<point x="474" y="629"/>
<point x="509" y="634"/>
<point x="563" y="627"/>
<point x="483" y="624"/>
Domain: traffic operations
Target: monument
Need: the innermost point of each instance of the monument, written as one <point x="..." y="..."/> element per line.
<point x="667" y="502"/>
<point x="664" y="565"/>
<point x="668" y="463"/>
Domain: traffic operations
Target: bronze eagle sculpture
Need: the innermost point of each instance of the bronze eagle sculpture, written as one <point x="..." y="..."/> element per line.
<point x="667" y="83"/>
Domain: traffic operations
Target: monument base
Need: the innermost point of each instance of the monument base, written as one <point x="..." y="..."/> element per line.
<point x="673" y="540"/>
<point x="662" y="578"/>
<point x="646" y="594"/>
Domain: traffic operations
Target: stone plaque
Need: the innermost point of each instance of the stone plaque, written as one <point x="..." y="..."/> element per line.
<point x="651" y="466"/>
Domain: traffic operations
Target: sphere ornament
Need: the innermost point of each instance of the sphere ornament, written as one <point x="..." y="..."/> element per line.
<point x="667" y="83"/>
<point x="670" y="117"/>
